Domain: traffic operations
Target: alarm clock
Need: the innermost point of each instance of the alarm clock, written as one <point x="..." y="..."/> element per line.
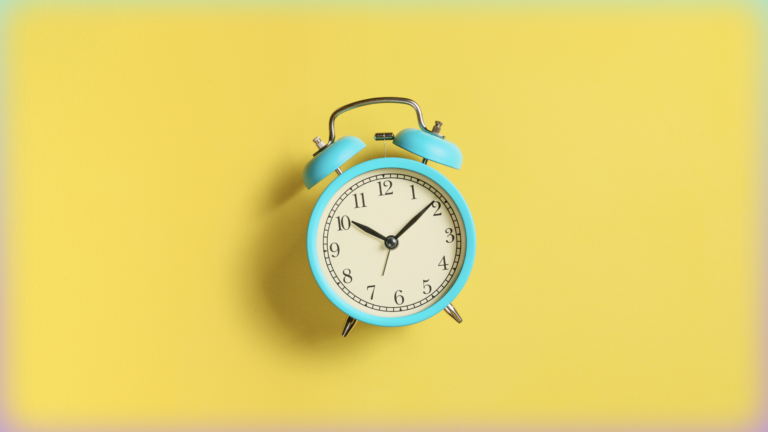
<point x="391" y="241"/>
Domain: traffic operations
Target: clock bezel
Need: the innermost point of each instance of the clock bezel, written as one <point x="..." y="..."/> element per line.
<point x="460" y="206"/>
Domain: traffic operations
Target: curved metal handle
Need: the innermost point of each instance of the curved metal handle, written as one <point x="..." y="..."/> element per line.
<point x="364" y="102"/>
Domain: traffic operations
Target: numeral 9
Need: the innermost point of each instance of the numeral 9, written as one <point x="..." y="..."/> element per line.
<point x="336" y="250"/>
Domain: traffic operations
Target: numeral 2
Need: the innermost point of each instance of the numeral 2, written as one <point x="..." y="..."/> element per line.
<point x="437" y="211"/>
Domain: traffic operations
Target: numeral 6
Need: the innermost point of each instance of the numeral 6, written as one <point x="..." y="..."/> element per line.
<point x="399" y="298"/>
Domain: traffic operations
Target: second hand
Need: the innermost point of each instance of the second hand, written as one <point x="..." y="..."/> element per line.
<point x="385" y="262"/>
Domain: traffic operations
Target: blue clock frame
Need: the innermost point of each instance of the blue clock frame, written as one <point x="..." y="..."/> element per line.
<point x="461" y="206"/>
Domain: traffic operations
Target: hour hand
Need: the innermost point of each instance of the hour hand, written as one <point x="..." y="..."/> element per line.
<point x="369" y="231"/>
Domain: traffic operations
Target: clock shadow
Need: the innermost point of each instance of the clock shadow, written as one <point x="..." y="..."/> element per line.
<point x="278" y="272"/>
<point x="279" y="276"/>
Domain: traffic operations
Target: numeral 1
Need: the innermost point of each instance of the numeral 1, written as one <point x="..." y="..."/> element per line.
<point x="413" y="192"/>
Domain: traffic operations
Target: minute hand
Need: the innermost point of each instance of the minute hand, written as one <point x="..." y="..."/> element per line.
<point x="413" y="221"/>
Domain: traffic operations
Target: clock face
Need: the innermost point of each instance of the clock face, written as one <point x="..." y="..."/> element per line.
<point x="391" y="242"/>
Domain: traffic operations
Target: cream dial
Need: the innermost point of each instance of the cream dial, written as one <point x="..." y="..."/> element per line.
<point x="391" y="242"/>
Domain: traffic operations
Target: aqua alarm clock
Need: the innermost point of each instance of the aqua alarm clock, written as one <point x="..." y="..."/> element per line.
<point x="391" y="241"/>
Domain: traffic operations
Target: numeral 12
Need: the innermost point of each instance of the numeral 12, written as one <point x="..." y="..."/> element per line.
<point x="388" y="185"/>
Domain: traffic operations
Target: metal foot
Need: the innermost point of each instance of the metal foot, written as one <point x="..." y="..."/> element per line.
<point x="450" y="310"/>
<point x="350" y="324"/>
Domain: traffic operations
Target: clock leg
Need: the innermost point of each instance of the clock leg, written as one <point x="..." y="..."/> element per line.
<point x="348" y="326"/>
<point x="450" y="310"/>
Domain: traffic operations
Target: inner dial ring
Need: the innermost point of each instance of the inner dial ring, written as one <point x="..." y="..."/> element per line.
<point x="424" y="261"/>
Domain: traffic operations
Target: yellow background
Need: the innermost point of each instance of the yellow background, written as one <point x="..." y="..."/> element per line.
<point x="156" y="219"/>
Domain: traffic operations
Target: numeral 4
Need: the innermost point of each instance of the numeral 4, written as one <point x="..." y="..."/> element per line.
<point x="443" y="263"/>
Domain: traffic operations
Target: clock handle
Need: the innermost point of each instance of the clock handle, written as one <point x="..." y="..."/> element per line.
<point x="332" y="131"/>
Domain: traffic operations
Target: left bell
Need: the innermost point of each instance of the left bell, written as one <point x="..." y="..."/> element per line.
<point x="330" y="158"/>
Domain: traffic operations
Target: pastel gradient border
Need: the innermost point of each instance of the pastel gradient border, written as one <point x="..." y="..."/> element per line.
<point x="760" y="8"/>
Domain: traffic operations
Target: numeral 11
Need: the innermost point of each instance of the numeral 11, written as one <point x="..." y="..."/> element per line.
<point x="362" y="200"/>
